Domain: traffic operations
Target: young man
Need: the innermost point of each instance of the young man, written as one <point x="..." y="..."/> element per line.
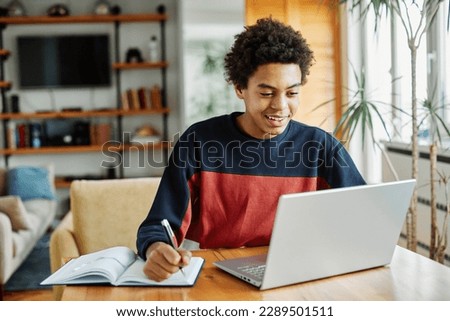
<point x="225" y="174"/>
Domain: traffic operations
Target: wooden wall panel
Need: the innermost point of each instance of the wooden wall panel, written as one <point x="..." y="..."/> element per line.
<point x="317" y="21"/>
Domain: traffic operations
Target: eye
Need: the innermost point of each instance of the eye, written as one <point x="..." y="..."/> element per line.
<point x="266" y="94"/>
<point x="292" y="93"/>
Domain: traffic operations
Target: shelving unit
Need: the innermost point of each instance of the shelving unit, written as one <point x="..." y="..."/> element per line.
<point x="118" y="67"/>
<point x="112" y="146"/>
<point x="28" y="20"/>
<point x="80" y="114"/>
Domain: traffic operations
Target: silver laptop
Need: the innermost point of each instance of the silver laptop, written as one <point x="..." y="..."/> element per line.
<point x="326" y="233"/>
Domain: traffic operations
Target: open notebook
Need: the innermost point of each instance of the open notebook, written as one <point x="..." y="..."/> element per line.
<point x="118" y="266"/>
<point x="326" y="233"/>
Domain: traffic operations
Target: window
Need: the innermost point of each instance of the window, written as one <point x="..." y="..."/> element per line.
<point x="208" y="29"/>
<point x="402" y="92"/>
<point x="446" y="65"/>
<point x="386" y="58"/>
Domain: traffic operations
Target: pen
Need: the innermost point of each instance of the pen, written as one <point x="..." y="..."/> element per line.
<point x="165" y="223"/>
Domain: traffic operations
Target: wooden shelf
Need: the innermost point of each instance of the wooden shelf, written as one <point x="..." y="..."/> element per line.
<point x="4" y="53"/>
<point x="83" y="114"/>
<point x="51" y="150"/>
<point x="63" y="182"/>
<point x="138" y="146"/>
<point x="113" y="147"/>
<point x="140" y="65"/>
<point x="5" y="84"/>
<point x="148" y="17"/>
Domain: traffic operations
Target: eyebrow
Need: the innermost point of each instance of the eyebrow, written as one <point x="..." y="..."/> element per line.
<point x="266" y="86"/>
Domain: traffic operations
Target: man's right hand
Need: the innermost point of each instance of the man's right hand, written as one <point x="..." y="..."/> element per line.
<point x="163" y="260"/>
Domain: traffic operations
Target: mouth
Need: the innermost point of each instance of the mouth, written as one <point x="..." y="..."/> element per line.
<point x="276" y="118"/>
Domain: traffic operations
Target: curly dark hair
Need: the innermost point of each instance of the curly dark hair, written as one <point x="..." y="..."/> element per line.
<point x="267" y="41"/>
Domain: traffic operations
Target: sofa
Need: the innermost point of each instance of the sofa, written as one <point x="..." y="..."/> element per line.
<point x="103" y="213"/>
<point x="27" y="211"/>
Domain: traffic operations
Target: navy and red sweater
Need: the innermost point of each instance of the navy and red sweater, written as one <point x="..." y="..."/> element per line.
<point x="221" y="187"/>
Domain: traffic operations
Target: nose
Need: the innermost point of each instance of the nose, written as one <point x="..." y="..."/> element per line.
<point x="279" y="102"/>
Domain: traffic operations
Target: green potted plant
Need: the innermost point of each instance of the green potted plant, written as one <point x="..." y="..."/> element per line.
<point x="415" y="32"/>
<point x="436" y="127"/>
<point x="361" y="112"/>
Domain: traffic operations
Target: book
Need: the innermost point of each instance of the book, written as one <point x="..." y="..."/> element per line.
<point x="144" y="98"/>
<point x="11" y="135"/>
<point x="102" y="133"/>
<point x="118" y="266"/>
<point x="125" y="105"/>
<point x="156" y="98"/>
<point x="22" y="135"/>
<point x="135" y="104"/>
<point x="129" y="94"/>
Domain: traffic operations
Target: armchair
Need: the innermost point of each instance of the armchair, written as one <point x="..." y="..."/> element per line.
<point x="103" y="214"/>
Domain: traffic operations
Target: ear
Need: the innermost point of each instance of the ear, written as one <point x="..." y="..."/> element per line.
<point x="239" y="92"/>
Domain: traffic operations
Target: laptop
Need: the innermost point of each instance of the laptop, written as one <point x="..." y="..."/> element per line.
<point x="326" y="233"/>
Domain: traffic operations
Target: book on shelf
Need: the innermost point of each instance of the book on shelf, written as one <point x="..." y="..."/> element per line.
<point x="100" y="133"/>
<point x="124" y="101"/>
<point x="11" y="135"/>
<point x="23" y="135"/>
<point x="118" y="266"/>
<point x="142" y="98"/>
<point x="129" y="98"/>
<point x="156" y="97"/>
<point x="135" y="99"/>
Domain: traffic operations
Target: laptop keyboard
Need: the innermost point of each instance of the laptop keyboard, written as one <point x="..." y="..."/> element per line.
<point x="254" y="270"/>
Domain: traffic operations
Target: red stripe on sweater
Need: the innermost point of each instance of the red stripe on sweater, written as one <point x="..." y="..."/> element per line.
<point x="231" y="210"/>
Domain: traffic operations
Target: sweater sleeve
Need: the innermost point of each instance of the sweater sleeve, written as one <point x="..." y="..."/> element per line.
<point x="172" y="200"/>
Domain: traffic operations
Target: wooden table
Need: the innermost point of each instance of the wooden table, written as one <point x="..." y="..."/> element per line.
<point x="410" y="276"/>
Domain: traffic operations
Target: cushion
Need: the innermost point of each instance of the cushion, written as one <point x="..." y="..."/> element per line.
<point x="13" y="207"/>
<point x="40" y="207"/>
<point x="29" y="183"/>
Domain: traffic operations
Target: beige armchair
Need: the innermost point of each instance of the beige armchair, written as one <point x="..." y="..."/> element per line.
<point x="103" y="214"/>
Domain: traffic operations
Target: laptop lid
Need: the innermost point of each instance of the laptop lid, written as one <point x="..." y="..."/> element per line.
<point x="336" y="231"/>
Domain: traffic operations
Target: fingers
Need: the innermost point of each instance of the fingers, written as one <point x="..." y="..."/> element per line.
<point x="185" y="257"/>
<point x="163" y="260"/>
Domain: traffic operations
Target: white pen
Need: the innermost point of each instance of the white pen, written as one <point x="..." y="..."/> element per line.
<point x="171" y="236"/>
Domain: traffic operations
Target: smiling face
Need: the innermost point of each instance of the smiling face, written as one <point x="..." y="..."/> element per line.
<point x="271" y="99"/>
